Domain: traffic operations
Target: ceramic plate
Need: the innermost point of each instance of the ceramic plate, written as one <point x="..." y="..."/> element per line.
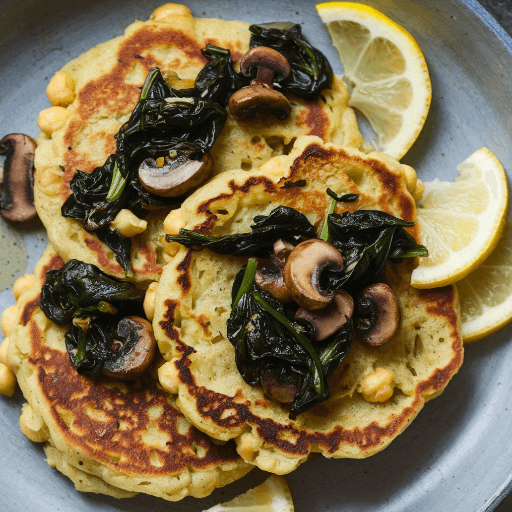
<point x="456" y="455"/>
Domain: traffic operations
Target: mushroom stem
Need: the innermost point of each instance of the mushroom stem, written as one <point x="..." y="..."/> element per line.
<point x="264" y="76"/>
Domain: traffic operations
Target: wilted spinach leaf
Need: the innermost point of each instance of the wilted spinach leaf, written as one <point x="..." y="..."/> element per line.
<point x="218" y="80"/>
<point x="89" y="350"/>
<point x="162" y="123"/>
<point x="81" y="291"/>
<point x="367" y="239"/>
<point x="268" y="338"/>
<point x="282" y="222"/>
<point x="310" y="73"/>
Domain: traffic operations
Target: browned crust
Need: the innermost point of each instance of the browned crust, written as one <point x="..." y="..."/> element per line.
<point x="116" y="440"/>
<point x="304" y="166"/>
<point x="316" y="119"/>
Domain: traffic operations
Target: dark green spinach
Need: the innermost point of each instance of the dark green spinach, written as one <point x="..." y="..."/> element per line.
<point x="367" y="239"/>
<point x="283" y="222"/>
<point x="79" y="291"/>
<point x="161" y="124"/>
<point x="269" y="339"/>
<point x="310" y="72"/>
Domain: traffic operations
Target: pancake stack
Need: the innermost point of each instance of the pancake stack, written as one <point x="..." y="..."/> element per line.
<point x="108" y="436"/>
<point x="191" y="423"/>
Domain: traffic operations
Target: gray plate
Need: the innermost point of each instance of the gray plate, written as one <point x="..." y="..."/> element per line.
<point x="456" y="455"/>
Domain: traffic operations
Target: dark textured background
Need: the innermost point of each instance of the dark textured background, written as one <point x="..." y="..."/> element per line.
<point x="501" y="10"/>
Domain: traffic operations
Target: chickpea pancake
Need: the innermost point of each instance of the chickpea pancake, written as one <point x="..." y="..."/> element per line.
<point x="95" y="94"/>
<point x="375" y="392"/>
<point x="108" y="436"/>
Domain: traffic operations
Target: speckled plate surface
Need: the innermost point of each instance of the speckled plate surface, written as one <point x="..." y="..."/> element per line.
<point x="457" y="454"/>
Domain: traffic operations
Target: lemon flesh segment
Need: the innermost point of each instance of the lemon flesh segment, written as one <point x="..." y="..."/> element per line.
<point x="273" y="495"/>
<point x="486" y="293"/>
<point x="461" y="222"/>
<point x="386" y="70"/>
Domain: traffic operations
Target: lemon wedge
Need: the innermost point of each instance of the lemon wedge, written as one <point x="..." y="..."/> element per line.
<point x="461" y="222"/>
<point x="486" y="293"/>
<point x="385" y="69"/>
<point x="273" y="495"/>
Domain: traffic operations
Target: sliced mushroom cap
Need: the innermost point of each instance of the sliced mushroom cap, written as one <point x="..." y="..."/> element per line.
<point x="331" y="318"/>
<point x="267" y="58"/>
<point x="177" y="175"/>
<point x="258" y="99"/>
<point x="272" y="281"/>
<point x="17" y="199"/>
<point x="278" y="385"/>
<point x="133" y="349"/>
<point x="303" y="270"/>
<point x="378" y="314"/>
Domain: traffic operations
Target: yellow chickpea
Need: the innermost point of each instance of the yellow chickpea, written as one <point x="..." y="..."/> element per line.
<point x="52" y="119"/>
<point x="273" y="167"/>
<point x="171" y="248"/>
<point x="8" y="319"/>
<point x="128" y="224"/>
<point x="169" y="377"/>
<point x="246" y="447"/>
<point x="168" y="13"/>
<point x="410" y="177"/>
<point x="61" y="89"/>
<point x="418" y="191"/>
<point x="174" y="222"/>
<point x="378" y="386"/>
<point x="149" y="301"/>
<point x="22" y="284"/>
<point x="7" y="380"/>
<point x="3" y="350"/>
<point x="32" y="425"/>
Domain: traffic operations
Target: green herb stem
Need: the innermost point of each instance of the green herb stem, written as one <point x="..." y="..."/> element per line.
<point x="318" y="376"/>
<point x="247" y="281"/>
<point x="198" y="236"/>
<point x="324" y="234"/>
<point x="117" y="185"/>
<point x="80" y="351"/>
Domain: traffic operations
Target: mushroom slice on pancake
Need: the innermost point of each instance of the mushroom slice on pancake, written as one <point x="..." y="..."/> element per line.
<point x="194" y="300"/>
<point x="103" y="86"/>
<point x="109" y="436"/>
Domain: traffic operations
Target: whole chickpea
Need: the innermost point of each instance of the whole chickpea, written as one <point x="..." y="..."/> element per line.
<point x="61" y="89"/>
<point x="32" y="425"/>
<point x="149" y="301"/>
<point x="378" y="386"/>
<point x="22" y="284"/>
<point x="8" y="319"/>
<point x="169" y="377"/>
<point x="52" y="119"/>
<point x="174" y="222"/>
<point x="7" y="380"/>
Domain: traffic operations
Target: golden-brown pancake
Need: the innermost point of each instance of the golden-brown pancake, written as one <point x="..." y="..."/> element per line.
<point x="193" y="303"/>
<point x="106" y="83"/>
<point x="108" y="436"/>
